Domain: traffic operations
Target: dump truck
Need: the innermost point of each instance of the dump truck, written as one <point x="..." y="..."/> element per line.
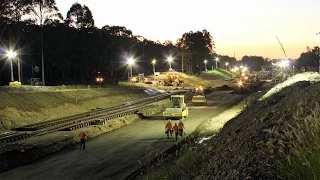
<point x="170" y="78"/>
<point x="178" y="109"/>
<point x="199" y="98"/>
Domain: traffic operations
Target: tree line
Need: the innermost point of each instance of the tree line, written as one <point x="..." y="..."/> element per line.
<point x="72" y="50"/>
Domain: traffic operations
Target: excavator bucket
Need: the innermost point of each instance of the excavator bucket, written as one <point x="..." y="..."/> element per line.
<point x="199" y="100"/>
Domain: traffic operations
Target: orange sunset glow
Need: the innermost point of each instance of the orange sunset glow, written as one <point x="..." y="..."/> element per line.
<point x="238" y="27"/>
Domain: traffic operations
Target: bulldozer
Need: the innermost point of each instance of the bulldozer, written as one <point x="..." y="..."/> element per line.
<point x="199" y="98"/>
<point x="178" y="110"/>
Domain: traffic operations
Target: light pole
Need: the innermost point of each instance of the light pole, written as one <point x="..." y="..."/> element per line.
<point x="283" y="65"/>
<point x="130" y="62"/>
<point x="217" y="59"/>
<point x="227" y="63"/>
<point x="205" y="65"/>
<point x="11" y="55"/>
<point x="318" y="34"/>
<point x="170" y="59"/>
<point x="154" y="66"/>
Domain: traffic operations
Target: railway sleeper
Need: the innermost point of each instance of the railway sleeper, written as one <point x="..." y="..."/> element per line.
<point x="104" y="120"/>
<point x="25" y="129"/>
<point x="76" y="126"/>
<point x="14" y="138"/>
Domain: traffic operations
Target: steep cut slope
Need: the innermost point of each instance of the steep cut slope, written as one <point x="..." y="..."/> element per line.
<point x="249" y="146"/>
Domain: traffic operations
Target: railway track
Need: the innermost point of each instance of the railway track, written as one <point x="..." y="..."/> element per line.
<point x="99" y="116"/>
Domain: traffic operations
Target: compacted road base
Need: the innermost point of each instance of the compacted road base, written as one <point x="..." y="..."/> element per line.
<point x="116" y="154"/>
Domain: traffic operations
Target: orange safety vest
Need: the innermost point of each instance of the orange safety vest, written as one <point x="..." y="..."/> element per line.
<point x="180" y="125"/>
<point x="175" y="128"/>
<point x="169" y="126"/>
<point x="82" y="135"/>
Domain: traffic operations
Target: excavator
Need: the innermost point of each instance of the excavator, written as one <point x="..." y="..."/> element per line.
<point x="199" y="98"/>
<point x="178" y="110"/>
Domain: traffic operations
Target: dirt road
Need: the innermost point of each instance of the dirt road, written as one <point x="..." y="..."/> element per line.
<point x="116" y="154"/>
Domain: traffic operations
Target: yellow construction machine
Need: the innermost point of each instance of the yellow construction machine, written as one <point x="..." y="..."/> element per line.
<point x="199" y="98"/>
<point x="170" y="78"/>
<point x="178" y="110"/>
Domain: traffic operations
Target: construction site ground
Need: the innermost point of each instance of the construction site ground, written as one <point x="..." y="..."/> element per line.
<point x="116" y="154"/>
<point x="30" y="149"/>
<point x="274" y="137"/>
<point x="28" y="104"/>
<point x="205" y="79"/>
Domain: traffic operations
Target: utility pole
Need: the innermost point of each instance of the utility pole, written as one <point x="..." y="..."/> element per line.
<point x="11" y="67"/>
<point x="182" y="59"/>
<point x="319" y="53"/>
<point x="42" y="56"/>
<point x="19" y="70"/>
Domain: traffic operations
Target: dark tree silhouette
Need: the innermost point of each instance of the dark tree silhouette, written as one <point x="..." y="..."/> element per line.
<point x="194" y="48"/>
<point x="42" y="12"/>
<point x="79" y="17"/>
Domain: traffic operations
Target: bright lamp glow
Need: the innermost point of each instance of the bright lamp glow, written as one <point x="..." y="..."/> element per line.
<point x="99" y="79"/>
<point x="11" y="54"/>
<point x="170" y="59"/>
<point x="205" y="61"/>
<point x="227" y="63"/>
<point x="245" y="68"/>
<point x="284" y="63"/>
<point x="154" y="61"/>
<point x="130" y="61"/>
<point x="217" y="59"/>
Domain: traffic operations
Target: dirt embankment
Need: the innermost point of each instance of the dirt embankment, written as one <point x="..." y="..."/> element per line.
<point x="247" y="146"/>
<point x="21" y="106"/>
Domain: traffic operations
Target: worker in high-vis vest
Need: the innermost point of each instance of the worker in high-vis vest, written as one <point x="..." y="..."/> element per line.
<point x="168" y="129"/>
<point x="82" y="136"/>
<point x="175" y="130"/>
<point x="180" y="128"/>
